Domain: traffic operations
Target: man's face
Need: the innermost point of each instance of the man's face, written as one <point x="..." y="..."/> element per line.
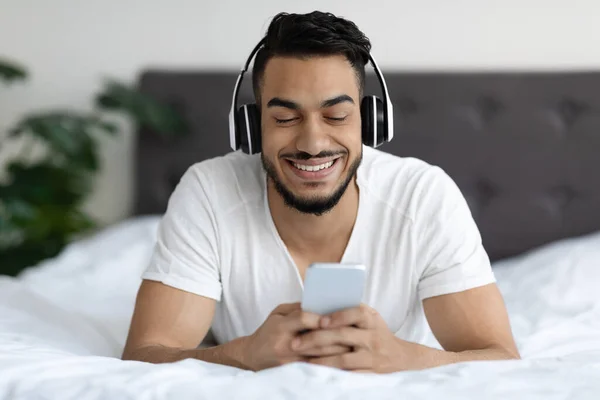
<point x="311" y="129"/>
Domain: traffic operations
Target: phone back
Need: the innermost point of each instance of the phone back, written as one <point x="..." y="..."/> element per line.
<point x="333" y="287"/>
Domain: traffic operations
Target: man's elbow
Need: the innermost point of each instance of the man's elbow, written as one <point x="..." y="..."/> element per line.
<point x="513" y="355"/>
<point x="506" y="352"/>
<point x="129" y="355"/>
<point x="138" y="353"/>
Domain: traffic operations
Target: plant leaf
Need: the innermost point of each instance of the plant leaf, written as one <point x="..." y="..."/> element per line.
<point x="11" y="71"/>
<point x="70" y="135"/>
<point x="28" y="254"/>
<point x="45" y="183"/>
<point x="109" y="127"/>
<point x="147" y="111"/>
<point x="43" y="235"/>
<point x="77" y="221"/>
<point x="14" y="132"/>
<point x="7" y="228"/>
<point x="41" y="201"/>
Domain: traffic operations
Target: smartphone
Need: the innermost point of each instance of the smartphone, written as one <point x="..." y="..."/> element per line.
<point x="331" y="287"/>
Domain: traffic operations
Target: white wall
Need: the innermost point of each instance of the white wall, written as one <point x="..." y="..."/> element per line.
<point x="71" y="45"/>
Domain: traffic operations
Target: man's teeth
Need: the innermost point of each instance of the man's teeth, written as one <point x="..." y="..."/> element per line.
<point x="313" y="168"/>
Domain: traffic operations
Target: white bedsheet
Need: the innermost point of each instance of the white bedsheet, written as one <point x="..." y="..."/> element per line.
<point x="63" y="326"/>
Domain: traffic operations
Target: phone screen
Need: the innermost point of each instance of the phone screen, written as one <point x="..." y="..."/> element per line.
<point x="333" y="287"/>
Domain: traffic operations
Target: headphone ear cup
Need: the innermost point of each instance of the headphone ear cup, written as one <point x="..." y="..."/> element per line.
<point x="366" y="111"/>
<point x="373" y="124"/>
<point x="249" y="128"/>
<point x="372" y="116"/>
<point x="255" y="130"/>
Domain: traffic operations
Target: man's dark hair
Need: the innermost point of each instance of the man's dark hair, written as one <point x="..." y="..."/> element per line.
<point x="313" y="34"/>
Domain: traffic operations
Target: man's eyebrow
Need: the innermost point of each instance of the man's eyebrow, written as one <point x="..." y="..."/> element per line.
<point x="278" y="102"/>
<point x="336" y="100"/>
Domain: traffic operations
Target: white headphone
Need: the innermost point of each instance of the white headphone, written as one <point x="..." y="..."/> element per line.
<point x="244" y="122"/>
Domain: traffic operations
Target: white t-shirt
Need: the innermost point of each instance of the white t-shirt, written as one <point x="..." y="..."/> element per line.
<point x="414" y="232"/>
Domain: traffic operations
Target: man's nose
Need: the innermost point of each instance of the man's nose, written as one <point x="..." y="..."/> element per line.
<point x="313" y="137"/>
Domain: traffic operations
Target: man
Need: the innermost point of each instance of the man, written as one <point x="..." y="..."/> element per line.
<point x="241" y="230"/>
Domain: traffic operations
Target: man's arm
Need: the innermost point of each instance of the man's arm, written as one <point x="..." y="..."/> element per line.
<point x="168" y="324"/>
<point x="462" y="304"/>
<point x="470" y="325"/>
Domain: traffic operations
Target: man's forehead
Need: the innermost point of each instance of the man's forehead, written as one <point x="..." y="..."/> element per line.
<point x="316" y="76"/>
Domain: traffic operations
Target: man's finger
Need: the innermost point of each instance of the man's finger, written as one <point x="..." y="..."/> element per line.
<point x="286" y="308"/>
<point x="361" y="317"/>
<point x="349" y="361"/>
<point x="299" y="320"/>
<point x="325" y="351"/>
<point x="345" y="336"/>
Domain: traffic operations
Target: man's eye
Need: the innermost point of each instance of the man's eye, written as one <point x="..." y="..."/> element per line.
<point x="338" y="119"/>
<point x="283" y="121"/>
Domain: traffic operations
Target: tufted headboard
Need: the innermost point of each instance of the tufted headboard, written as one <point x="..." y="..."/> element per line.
<point x="523" y="147"/>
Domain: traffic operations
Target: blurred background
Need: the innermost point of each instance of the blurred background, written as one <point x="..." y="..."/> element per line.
<point x="71" y="67"/>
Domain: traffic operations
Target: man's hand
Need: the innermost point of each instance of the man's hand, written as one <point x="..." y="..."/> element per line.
<point x="470" y="325"/>
<point x="375" y="348"/>
<point x="270" y="345"/>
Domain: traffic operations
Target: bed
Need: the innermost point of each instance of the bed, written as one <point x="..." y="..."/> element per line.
<point x="523" y="148"/>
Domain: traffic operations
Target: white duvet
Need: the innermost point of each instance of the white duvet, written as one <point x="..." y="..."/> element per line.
<point x="63" y="326"/>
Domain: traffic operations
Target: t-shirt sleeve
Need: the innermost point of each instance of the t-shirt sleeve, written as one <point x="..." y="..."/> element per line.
<point x="451" y="255"/>
<point x="185" y="254"/>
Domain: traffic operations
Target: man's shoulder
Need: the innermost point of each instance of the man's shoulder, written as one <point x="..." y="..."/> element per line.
<point x="227" y="165"/>
<point x="406" y="184"/>
<point x="229" y="179"/>
<point x="382" y="166"/>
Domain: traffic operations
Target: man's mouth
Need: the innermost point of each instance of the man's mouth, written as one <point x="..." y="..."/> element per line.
<point x="313" y="168"/>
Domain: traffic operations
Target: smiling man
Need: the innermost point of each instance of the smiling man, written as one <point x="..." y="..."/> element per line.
<point x="241" y="230"/>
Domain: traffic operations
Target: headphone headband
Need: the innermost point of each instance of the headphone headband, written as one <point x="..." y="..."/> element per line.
<point x="388" y="108"/>
<point x="387" y="103"/>
<point x="232" y="122"/>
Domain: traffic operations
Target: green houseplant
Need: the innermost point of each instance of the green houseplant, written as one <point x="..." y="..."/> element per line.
<point x="41" y="199"/>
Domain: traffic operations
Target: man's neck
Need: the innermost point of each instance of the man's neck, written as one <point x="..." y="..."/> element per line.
<point x="306" y="232"/>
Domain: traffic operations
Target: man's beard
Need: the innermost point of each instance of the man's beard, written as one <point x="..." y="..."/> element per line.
<point x="315" y="205"/>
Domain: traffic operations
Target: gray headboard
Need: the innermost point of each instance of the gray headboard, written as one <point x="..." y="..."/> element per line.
<point x="523" y="147"/>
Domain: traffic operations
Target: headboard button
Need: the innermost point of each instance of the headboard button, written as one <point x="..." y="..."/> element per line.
<point x="562" y="196"/>
<point x="488" y="108"/>
<point x="570" y="110"/>
<point x="486" y="191"/>
<point x="480" y="196"/>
